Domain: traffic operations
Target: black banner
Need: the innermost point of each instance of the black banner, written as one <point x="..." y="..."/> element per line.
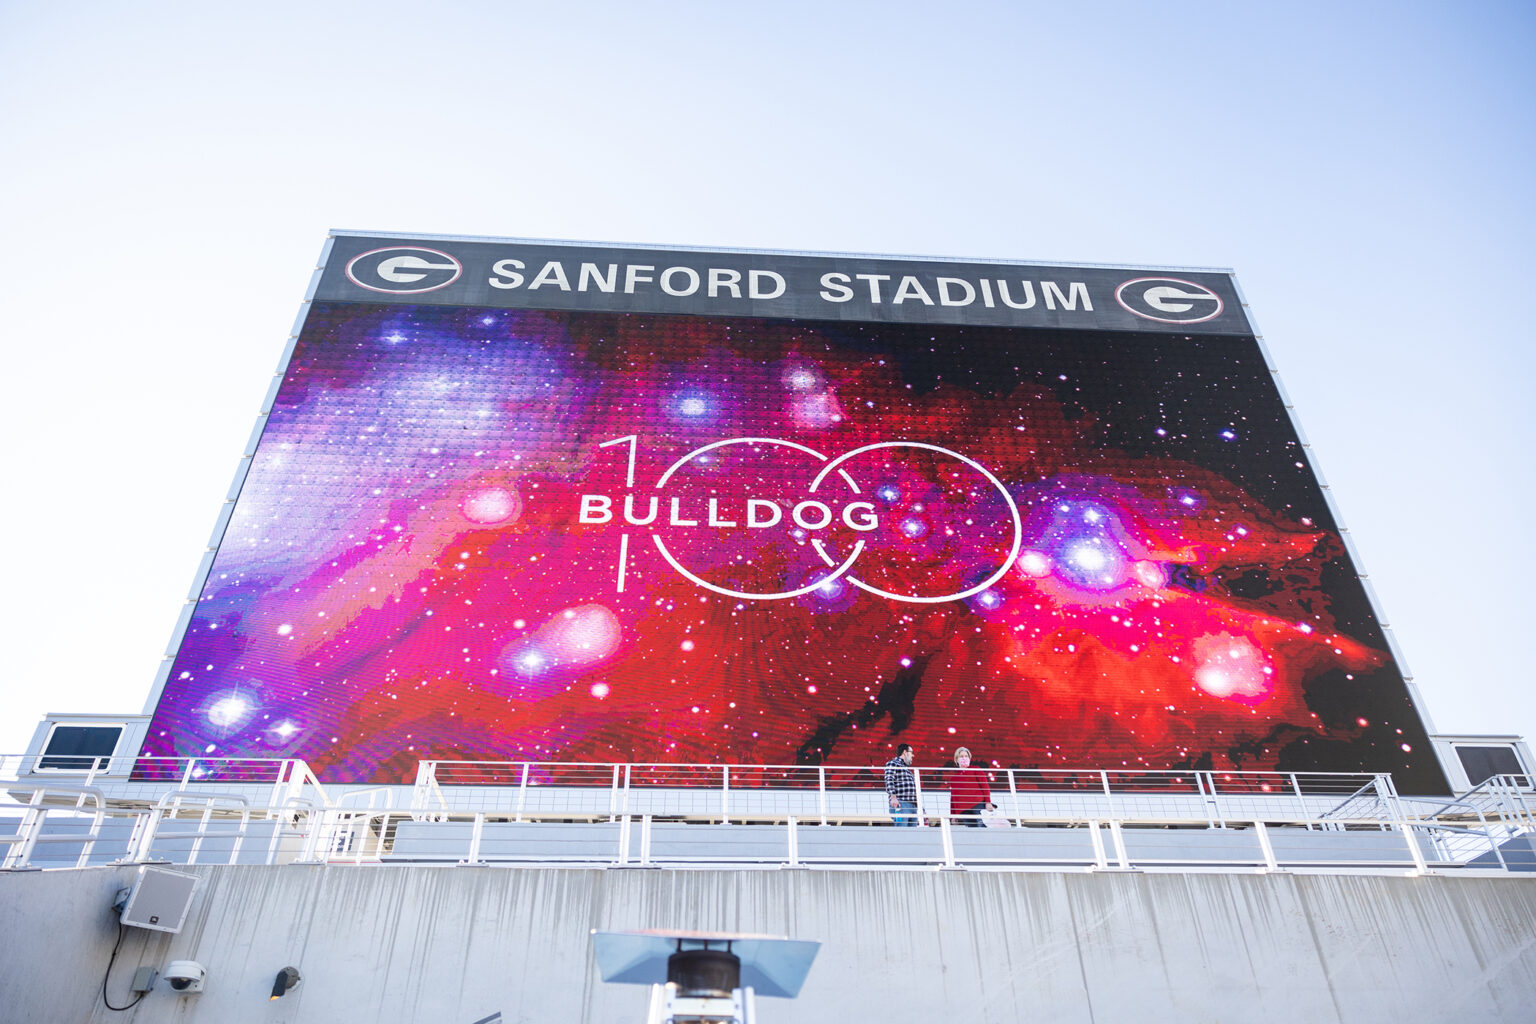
<point x="558" y="276"/>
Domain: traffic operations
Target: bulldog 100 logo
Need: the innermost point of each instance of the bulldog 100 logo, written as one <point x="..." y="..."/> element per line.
<point x="767" y="519"/>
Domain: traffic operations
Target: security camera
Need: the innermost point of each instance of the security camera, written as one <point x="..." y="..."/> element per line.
<point x="185" y="975"/>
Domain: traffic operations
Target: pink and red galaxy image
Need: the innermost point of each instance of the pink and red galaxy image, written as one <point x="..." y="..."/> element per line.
<point x="483" y="534"/>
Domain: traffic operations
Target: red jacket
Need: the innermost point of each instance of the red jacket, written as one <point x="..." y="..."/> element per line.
<point x="967" y="788"/>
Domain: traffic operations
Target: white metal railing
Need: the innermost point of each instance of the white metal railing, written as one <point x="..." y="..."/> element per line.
<point x="1508" y="797"/>
<point x="828" y="793"/>
<point x="1375" y="799"/>
<point x="475" y="838"/>
<point x="31" y="828"/>
<point x="341" y="836"/>
<point x="270" y="780"/>
<point x="274" y="811"/>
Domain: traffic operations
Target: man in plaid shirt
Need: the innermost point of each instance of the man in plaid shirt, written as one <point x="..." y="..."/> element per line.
<point x="901" y="786"/>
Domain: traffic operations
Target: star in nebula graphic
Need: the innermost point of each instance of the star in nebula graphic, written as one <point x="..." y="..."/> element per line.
<point x="461" y="535"/>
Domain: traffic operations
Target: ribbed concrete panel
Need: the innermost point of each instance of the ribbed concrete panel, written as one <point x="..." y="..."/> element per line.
<point x="456" y="945"/>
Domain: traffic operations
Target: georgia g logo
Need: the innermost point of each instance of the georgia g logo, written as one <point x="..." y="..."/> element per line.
<point x="403" y="270"/>
<point x="1169" y="300"/>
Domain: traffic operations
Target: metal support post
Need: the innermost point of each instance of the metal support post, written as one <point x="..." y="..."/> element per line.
<point x="522" y="793"/>
<point x="1265" y="846"/>
<point x="947" y="838"/>
<point x="821" y="792"/>
<point x="475" y="834"/>
<point x="1100" y="861"/>
<point x="1406" y="829"/>
<point x="1119" y="840"/>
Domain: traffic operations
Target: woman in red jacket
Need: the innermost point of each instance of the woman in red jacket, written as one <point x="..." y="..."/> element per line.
<point x="970" y="791"/>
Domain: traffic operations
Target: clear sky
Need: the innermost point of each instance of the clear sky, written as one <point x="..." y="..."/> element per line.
<point x="168" y="173"/>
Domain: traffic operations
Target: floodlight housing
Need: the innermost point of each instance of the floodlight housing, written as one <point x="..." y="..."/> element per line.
<point x="286" y="981"/>
<point x="705" y="963"/>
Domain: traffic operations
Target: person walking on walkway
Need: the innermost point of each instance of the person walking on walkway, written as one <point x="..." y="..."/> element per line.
<point x="901" y="786"/>
<point x="970" y="791"/>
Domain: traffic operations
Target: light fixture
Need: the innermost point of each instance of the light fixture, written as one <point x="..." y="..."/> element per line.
<point x="699" y="976"/>
<point x="286" y="981"/>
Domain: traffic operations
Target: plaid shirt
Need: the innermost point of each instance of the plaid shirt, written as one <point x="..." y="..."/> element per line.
<point x="899" y="780"/>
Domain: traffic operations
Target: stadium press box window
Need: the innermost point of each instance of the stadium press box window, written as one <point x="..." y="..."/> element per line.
<point x="79" y="748"/>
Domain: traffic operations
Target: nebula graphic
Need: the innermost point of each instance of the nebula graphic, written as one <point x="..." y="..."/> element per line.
<point x="472" y="534"/>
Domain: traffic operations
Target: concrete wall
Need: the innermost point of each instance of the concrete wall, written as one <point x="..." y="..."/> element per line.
<point x="453" y="945"/>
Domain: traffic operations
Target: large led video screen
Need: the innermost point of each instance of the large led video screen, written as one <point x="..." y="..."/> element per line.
<point x="474" y="533"/>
